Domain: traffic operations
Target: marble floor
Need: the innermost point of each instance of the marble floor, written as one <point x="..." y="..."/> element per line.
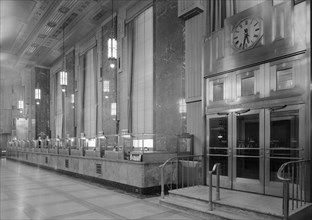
<point x="29" y="192"/>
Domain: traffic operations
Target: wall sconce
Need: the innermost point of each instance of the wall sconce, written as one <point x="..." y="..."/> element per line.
<point x="72" y="100"/>
<point x="63" y="73"/>
<point x="105" y="86"/>
<point x="37" y="95"/>
<point x="113" y="109"/>
<point x="63" y="80"/>
<point x="182" y="106"/>
<point x="20" y="104"/>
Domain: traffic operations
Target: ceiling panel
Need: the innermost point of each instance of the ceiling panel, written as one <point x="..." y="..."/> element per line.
<point x="31" y="30"/>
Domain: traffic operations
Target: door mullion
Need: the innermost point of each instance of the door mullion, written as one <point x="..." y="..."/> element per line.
<point x="232" y="137"/>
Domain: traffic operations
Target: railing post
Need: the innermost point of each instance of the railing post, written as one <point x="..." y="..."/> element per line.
<point x="218" y="183"/>
<point x="286" y="200"/>
<point x="210" y="191"/>
<point x="162" y="182"/>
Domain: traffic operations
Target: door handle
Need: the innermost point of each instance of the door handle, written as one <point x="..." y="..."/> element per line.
<point x="277" y="108"/>
<point x="242" y="111"/>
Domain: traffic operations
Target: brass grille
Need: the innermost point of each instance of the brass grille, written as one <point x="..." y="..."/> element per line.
<point x="98" y="168"/>
<point x="66" y="163"/>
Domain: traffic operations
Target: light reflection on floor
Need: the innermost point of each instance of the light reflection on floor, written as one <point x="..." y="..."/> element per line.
<point x="29" y="192"/>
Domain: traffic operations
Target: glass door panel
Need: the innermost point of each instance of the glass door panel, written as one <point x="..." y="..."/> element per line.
<point x="285" y="142"/>
<point x="248" y="143"/>
<point x="218" y="146"/>
<point x="247" y="147"/>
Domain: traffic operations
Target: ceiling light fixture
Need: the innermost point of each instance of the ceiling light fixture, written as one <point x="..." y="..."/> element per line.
<point x="112" y="44"/>
<point x="37" y="94"/>
<point x="63" y="73"/>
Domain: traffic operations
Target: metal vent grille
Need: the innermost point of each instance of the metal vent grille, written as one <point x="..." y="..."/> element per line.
<point x="46" y="160"/>
<point x="98" y="169"/>
<point x="66" y="163"/>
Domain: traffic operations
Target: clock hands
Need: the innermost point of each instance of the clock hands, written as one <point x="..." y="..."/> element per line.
<point x="246" y="37"/>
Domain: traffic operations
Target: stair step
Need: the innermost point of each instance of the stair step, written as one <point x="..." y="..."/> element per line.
<point x="201" y="210"/>
<point x="219" y="206"/>
<point x="194" y="200"/>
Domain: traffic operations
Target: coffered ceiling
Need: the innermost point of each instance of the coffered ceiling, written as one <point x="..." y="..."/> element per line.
<point x="32" y="30"/>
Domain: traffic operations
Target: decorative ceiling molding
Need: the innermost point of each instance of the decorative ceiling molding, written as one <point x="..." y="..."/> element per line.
<point x="39" y="39"/>
<point x="35" y="31"/>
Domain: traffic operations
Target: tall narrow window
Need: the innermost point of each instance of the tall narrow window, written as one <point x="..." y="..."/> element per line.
<point x="142" y="77"/>
<point x="59" y="107"/>
<point x="90" y="98"/>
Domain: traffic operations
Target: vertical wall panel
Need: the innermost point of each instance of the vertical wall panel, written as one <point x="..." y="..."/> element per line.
<point x="169" y="77"/>
<point x="194" y="37"/>
<point x="195" y="125"/>
<point x="123" y="94"/>
<point x="52" y="105"/>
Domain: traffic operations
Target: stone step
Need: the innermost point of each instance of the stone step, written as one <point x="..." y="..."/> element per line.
<point x="219" y="206"/>
<point x="200" y="210"/>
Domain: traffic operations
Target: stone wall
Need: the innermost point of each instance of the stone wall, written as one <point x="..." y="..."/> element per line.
<point x="42" y="79"/>
<point x="169" y="69"/>
<point x="70" y="89"/>
<point x="109" y="122"/>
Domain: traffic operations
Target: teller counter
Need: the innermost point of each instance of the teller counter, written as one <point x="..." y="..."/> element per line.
<point x="141" y="177"/>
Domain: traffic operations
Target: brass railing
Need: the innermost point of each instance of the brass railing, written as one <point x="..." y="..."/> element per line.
<point x="293" y="174"/>
<point x="179" y="171"/>
<point x="216" y="168"/>
<point x="186" y="171"/>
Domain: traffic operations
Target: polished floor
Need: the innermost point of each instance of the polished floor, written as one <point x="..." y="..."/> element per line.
<point x="29" y="192"/>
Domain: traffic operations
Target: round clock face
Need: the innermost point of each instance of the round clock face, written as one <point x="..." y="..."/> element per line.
<point x="247" y="33"/>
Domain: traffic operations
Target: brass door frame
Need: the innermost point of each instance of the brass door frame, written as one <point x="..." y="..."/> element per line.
<point x="275" y="187"/>
<point x="246" y="184"/>
<point x="225" y="181"/>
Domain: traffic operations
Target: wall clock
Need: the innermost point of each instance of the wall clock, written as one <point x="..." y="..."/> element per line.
<point x="247" y="33"/>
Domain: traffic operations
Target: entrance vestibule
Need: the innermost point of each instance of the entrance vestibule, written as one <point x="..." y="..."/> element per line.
<point x="251" y="145"/>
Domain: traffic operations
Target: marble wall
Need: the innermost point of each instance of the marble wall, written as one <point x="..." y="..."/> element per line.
<point x="129" y="175"/>
<point x="109" y="122"/>
<point x="70" y="111"/>
<point x="169" y="69"/>
<point x="42" y="79"/>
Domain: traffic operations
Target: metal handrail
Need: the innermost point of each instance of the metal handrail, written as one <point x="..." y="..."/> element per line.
<point x="216" y="168"/>
<point x="294" y="173"/>
<point x="172" y="160"/>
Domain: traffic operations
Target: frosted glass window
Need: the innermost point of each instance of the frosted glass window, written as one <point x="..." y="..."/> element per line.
<point x="142" y="88"/>
<point x="284" y="79"/>
<point x="218" y="90"/>
<point x="247" y="84"/>
<point x="143" y="143"/>
<point x="90" y="94"/>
